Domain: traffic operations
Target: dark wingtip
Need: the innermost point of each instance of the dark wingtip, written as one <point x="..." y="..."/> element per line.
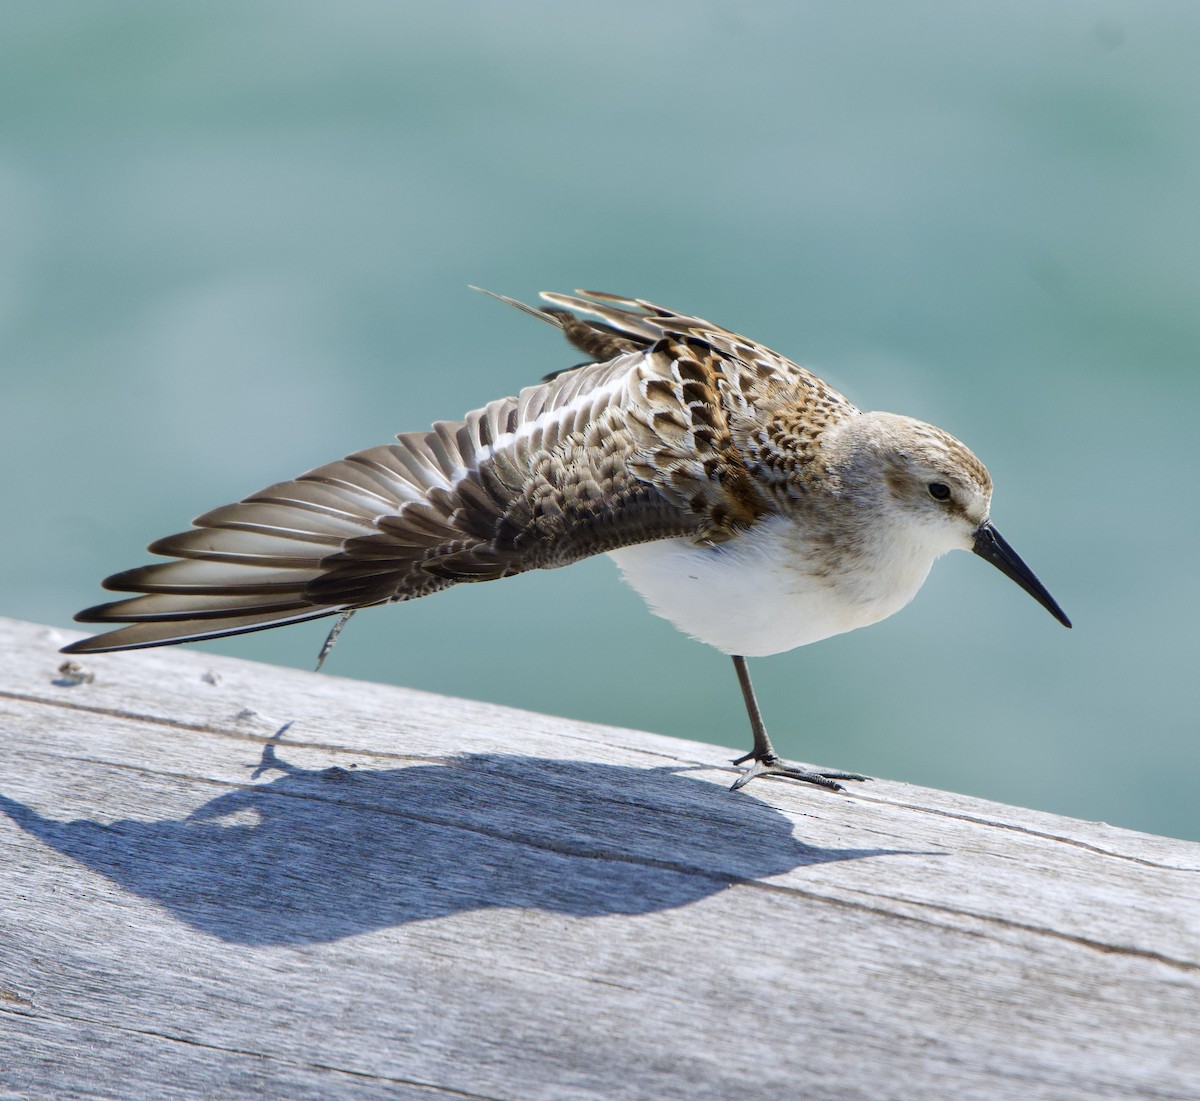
<point x="542" y="315"/>
<point x="92" y="645"/>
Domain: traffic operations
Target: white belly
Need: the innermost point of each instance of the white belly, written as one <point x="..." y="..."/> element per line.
<point x="760" y="592"/>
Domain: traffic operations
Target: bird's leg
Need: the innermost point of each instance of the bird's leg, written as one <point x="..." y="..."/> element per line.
<point x="766" y="762"/>
<point x="342" y="620"/>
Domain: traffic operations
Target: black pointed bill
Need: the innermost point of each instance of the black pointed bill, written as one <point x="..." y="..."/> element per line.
<point x="991" y="545"/>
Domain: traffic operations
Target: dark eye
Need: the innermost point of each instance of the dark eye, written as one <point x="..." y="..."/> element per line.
<point x="939" y="491"/>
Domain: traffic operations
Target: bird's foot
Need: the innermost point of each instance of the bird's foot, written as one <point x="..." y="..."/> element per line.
<point x="771" y="765"/>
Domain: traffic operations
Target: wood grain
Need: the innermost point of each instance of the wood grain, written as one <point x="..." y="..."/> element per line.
<point x="224" y="879"/>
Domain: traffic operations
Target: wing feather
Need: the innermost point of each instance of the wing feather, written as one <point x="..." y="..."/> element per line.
<point x="662" y="439"/>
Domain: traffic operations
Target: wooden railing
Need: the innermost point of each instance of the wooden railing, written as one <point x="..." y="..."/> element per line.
<point x="223" y="879"/>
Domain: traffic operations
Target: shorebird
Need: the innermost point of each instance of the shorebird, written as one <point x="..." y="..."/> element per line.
<point x="746" y="500"/>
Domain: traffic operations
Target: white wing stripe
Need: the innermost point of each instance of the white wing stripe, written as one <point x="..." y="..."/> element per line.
<point x="583" y="400"/>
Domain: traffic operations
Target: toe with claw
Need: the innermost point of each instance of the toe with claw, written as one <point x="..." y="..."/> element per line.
<point x="771" y="765"/>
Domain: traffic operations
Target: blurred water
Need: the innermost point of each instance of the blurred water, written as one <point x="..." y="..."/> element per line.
<point x="235" y="240"/>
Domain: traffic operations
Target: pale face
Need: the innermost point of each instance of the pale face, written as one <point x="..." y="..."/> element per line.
<point x="918" y="477"/>
<point x="945" y="497"/>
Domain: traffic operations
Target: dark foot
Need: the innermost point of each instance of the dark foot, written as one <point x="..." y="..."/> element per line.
<point x="770" y="765"/>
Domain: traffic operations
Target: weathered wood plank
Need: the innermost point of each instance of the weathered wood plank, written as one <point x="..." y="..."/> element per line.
<point x="438" y="898"/>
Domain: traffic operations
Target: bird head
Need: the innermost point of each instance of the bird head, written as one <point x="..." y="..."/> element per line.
<point x="934" y="487"/>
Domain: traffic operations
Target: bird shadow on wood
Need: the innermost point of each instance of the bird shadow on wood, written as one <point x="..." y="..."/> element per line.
<point x="317" y="855"/>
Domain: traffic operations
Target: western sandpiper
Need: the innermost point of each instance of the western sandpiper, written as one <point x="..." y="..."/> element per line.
<point x="746" y="500"/>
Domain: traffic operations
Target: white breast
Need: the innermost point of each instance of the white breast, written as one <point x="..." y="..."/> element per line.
<point x="762" y="593"/>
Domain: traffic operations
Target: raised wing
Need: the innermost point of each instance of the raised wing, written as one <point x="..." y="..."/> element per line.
<point x="657" y="440"/>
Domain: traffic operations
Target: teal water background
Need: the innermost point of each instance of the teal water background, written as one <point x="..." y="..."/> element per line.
<point x="236" y="238"/>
